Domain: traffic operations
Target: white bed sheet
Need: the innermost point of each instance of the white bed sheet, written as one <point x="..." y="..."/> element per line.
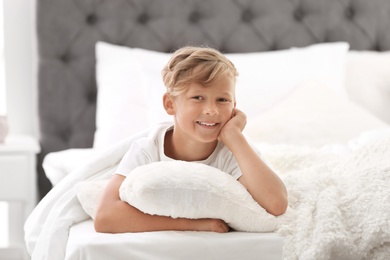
<point x="85" y="243"/>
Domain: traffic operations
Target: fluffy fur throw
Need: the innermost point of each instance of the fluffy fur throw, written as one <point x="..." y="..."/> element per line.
<point x="342" y="200"/>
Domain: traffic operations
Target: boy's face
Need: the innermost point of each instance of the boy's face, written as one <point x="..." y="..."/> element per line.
<point x="201" y="112"/>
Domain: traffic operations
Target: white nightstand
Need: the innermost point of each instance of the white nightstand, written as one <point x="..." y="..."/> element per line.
<point x="18" y="187"/>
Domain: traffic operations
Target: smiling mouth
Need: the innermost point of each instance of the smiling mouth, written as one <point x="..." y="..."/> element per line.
<point x="206" y="124"/>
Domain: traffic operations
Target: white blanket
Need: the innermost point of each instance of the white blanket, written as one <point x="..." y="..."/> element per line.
<point x="341" y="196"/>
<point x="340" y="193"/>
<point x="47" y="228"/>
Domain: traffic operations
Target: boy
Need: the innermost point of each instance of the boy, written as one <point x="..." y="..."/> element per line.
<point x="207" y="128"/>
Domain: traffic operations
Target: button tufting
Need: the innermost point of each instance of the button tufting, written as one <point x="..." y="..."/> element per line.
<point x="65" y="58"/>
<point x="91" y="19"/>
<point x="377" y="47"/>
<point x="143" y="18"/>
<point x="247" y="16"/>
<point x="350" y="13"/>
<point x="299" y="14"/>
<point x="65" y="135"/>
<point x="273" y="47"/>
<point x="194" y="17"/>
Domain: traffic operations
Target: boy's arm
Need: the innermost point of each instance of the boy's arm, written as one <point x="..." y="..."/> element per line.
<point x="261" y="182"/>
<point x="116" y="216"/>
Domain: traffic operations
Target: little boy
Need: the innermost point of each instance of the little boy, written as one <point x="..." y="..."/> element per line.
<point x="207" y="128"/>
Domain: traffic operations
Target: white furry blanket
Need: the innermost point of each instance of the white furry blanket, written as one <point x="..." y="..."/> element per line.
<point x="342" y="199"/>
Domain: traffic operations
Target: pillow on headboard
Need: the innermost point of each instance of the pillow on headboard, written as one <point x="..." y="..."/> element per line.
<point x="368" y="81"/>
<point x="121" y="100"/>
<point x="312" y="115"/>
<point x="130" y="86"/>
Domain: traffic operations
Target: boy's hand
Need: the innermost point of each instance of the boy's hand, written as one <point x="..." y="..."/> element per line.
<point x="213" y="225"/>
<point x="235" y="125"/>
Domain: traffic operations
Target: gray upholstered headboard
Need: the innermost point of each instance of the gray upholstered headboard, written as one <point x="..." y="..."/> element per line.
<point x="68" y="30"/>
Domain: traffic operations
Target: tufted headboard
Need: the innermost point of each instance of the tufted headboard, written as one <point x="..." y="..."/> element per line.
<point x="68" y="30"/>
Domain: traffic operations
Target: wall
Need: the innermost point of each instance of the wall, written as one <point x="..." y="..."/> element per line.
<point x="21" y="66"/>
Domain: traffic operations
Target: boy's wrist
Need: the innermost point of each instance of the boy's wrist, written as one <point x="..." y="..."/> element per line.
<point x="230" y="137"/>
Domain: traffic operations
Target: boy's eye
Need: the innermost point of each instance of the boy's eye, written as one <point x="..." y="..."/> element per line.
<point x="223" y="100"/>
<point x="198" y="98"/>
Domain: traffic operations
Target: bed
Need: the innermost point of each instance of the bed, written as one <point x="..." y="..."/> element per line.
<point x="313" y="82"/>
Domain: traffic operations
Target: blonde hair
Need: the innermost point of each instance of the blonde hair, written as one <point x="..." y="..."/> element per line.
<point x="202" y="65"/>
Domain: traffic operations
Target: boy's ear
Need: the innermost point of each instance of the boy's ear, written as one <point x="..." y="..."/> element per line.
<point x="168" y="104"/>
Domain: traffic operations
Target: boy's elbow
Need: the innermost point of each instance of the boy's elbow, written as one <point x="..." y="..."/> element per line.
<point x="278" y="208"/>
<point x="101" y="223"/>
<point x="98" y="225"/>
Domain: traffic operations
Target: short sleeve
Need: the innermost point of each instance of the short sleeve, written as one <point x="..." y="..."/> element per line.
<point x="228" y="163"/>
<point x="134" y="157"/>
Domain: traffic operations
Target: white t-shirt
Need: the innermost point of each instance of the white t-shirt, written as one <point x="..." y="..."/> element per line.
<point x="151" y="149"/>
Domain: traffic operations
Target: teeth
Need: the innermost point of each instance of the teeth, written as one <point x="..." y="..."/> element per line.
<point x="206" y="124"/>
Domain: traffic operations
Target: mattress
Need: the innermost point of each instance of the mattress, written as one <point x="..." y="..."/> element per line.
<point x="85" y="243"/>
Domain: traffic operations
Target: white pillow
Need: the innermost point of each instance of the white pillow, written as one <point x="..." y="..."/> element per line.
<point x="368" y="81"/>
<point x="122" y="99"/>
<point x="266" y="78"/>
<point x="58" y="165"/>
<point x="88" y="193"/>
<point x="188" y="190"/>
<point x="312" y="115"/>
<point x="194" y="190"/>
<point x="130" y="85"/>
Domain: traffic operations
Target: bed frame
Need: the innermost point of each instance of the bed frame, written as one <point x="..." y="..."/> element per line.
<point x="68" y="30"/>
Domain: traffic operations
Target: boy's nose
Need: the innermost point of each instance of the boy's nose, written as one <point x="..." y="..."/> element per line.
<point x="210" y="109"/>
